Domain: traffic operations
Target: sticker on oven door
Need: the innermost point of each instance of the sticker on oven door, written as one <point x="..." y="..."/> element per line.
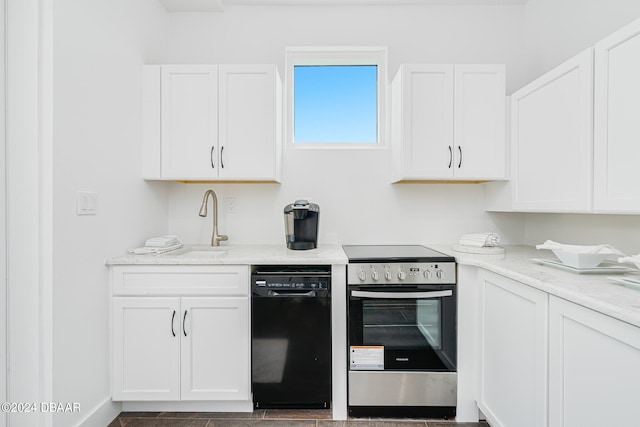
<point x="366" y="357"/>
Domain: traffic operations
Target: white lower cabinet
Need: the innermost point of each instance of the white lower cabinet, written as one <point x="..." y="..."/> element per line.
<point x="181" y="348"/>
<point x="146" y="348"/>
<point x="513" y="353"/>
<point x="545" y="361"/>
<point x="594" y="368"/>
<point x="215" y="349"/>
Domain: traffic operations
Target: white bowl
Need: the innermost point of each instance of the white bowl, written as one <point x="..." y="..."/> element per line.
<point x="578" y="260"/>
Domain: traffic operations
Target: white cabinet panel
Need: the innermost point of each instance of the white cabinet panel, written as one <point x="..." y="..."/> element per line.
<point x="181" y="348"/>
<point x="594" y="379"/>
<point x="249" y="129"/>
<point x="424" y="121"/>
<point x="479" y="124"/>
<point x="229" y="280"/>
<point x="448" y="122"/>
<point x="552" y="139"/>
<point x="212" y="122"/>
<point x="189" y="121"/>
<point x="146" y="351"/>
<point x="215" y="349"/>
<point x="617" y="128"/>
<point x="513" y="353"/>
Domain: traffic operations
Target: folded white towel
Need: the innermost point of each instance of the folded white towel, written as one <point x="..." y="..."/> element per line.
<point x="145" y="250"/>
<point x="162" y="241"/>
<point x="633" y="259"/>
<point x="579" y="249"/>
<point x="480" y="240"/>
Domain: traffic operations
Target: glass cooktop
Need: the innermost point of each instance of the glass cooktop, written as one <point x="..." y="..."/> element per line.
<point x="389" y="253"/>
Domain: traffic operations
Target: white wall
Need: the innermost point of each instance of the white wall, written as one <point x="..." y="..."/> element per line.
<point x="555" y="31"/>
<point x="99" y="49"/>
<point x="622" y="231"/>
<point x="358" y="205"/>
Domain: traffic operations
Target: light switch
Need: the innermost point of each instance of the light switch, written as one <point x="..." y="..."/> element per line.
<point x="87" y="203"/>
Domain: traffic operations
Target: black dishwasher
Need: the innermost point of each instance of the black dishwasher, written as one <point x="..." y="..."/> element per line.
<point x="291" y="336"/>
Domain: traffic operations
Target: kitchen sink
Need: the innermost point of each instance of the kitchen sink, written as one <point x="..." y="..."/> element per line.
<point x="202" y="252"/>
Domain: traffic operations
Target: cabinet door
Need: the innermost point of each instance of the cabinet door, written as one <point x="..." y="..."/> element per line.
<point x="423" y="121"/>
<point x="146" y="349"/>
<point x="249" y="129"/>
<point x="594" y="379"/>
<point x="189" y="130"/>
<point x="513" y="353"/>
<point x="552" y="139"/>
<point x="215" y="349"/>
<point x="479" y="122"/>
<point x="617" y="128"/>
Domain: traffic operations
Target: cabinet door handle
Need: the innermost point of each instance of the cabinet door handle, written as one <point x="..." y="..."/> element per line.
<point x="222" y="158"/>
<point x="184" y="320"/>
<point x="450" y="157"/>
<point x="173" y="317"/>
<point x="213" y="148"/>
<point x="460" y="162"/>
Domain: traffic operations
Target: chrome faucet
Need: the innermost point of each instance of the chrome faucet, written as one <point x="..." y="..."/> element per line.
<point x="215" y="238"/>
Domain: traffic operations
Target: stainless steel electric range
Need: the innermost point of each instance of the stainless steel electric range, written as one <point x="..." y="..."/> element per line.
<point x="401" y="331"/>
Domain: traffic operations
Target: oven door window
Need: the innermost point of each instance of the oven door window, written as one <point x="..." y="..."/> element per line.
<point x="415" y="333"/>
<point x="401" y="323"/>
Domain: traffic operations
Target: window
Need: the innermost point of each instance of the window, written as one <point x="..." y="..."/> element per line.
<point x="336" y="96"/>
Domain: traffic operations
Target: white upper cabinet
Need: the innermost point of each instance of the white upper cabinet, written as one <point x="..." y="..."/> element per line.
<point x="189" y="121"/>
<point x="617" y="123"/>
<point x="422" y="121"/>
<point x="250" y="113"/>
<point x="552" y="139"/>
<point x="210" y="122"/>
<point x="448" y="122"/>
<point x="479" y="130"/>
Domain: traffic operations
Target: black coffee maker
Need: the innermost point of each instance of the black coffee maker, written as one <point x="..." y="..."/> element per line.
<point x="301" y="224"/>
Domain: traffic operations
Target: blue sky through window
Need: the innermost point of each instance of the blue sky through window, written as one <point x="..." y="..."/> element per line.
<point x="335" y="104"/>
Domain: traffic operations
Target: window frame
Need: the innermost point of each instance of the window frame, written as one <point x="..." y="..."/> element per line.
<point x="331" y="55"/>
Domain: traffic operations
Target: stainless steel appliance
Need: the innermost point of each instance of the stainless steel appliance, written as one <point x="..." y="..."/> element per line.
<point x="291" y="336"/>
<point x="301" y="225"/>
<point x="401" y="331"/>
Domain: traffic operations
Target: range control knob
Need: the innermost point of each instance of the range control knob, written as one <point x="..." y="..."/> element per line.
<point x="375" y="275"/>
<point x="362" y="275"/>
<point x="427" y="274"/>
<point x="388" y="275"/>
<point x="439" y="274"/>
<point x="402" y="275"/>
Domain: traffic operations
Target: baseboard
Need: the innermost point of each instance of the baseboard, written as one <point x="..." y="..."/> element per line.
<point x="188" y="406"/>
<point x="102" y="414"/>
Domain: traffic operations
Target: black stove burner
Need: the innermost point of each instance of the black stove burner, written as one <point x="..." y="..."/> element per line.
<point x="391" y="253"/>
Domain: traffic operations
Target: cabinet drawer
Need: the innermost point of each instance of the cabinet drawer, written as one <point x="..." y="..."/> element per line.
<point x="179" y="280"/>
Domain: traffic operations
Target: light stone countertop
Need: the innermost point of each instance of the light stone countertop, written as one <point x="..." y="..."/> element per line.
<point x="237" y="254"/>
<point x="594" y="291"/>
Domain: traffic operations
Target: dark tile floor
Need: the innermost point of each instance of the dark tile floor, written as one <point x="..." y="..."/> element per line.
<point x="268" y="418"/>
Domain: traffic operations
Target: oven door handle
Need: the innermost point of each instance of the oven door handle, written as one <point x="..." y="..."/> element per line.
<point x="401" y="295"/>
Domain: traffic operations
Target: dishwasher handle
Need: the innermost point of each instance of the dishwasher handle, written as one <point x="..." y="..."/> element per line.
<point x="310" y="294"/>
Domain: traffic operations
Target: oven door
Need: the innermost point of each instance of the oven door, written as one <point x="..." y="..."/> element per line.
<point x="402" y="329"/>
